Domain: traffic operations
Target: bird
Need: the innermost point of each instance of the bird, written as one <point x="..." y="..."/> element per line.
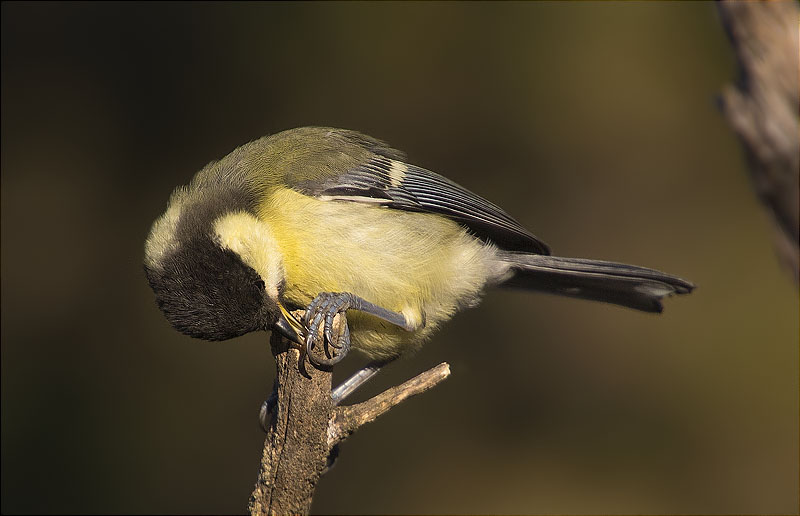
<point x="332" y="221"/>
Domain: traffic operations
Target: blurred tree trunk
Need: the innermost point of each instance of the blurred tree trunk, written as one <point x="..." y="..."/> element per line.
<point x="762" y="108"/>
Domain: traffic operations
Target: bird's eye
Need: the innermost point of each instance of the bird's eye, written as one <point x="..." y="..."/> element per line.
<point x="260" y="284"/>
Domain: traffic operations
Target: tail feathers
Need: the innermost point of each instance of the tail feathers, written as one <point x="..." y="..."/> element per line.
<point x="626" y="285"/>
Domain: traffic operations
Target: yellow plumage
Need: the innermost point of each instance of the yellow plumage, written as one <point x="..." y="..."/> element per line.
<point x="422" y="265"/>
<point x="283" y="220"/>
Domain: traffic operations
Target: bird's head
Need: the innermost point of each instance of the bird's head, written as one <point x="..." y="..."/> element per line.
<point x="216" y="270"/>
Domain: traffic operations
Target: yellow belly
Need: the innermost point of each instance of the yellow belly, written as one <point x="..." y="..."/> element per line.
<point x="423" y="265"/>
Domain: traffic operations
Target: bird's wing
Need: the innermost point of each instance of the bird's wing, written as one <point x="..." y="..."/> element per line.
<point x="386" y="181"/>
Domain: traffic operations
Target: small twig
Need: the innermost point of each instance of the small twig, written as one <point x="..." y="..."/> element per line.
<point x="347" y="420"/>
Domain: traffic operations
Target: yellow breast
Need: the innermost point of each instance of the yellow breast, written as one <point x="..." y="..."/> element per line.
<point x="423" y="265"/>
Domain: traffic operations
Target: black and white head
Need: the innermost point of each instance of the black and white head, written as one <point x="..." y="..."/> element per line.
<point x="215" y="268"/>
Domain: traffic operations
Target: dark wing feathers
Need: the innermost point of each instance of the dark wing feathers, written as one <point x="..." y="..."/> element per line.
<point x="398" y="185"/>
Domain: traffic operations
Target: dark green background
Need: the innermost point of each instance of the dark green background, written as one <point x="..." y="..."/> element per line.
<point x="594" y="124"/>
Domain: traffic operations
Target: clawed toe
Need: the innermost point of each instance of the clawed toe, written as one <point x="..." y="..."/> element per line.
<point x="321" y="313"/>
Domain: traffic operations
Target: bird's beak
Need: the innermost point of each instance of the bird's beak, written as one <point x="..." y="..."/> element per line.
<point x="289" y="327"/>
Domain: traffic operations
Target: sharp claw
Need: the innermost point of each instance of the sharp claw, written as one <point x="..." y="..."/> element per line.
<point x="326" y="345"/>
<point x="321" y="362"/>
<point x="327" y="349"/>
<point x="322" y="311"/>
<point x="311" y="357"/>
<point x="337" y="342"/>
<point x="314" y="360"/>
<point x="303" y="355"/>
<point x="329" y="328"/>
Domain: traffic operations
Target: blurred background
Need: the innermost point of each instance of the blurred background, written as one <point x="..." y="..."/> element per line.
<point x="594" y="124"/>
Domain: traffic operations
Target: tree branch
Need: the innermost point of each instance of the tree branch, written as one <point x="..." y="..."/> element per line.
<point x="347" y="420"/>
<point x="305" y="429"/>
<point x="762" y="109"/>
<point x="296" y="449"/>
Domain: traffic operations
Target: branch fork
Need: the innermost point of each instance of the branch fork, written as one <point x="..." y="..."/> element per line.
<point x="305" y="429"/>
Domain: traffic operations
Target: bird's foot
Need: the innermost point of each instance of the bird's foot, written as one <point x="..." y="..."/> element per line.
<point x="321" y="313"/>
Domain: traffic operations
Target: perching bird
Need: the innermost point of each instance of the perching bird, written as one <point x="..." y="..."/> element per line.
<point x="330" y="220"/>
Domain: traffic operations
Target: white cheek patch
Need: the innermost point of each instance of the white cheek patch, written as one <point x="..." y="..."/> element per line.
<point x="253" y="241"/>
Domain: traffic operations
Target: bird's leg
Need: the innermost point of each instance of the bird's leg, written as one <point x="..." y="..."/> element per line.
<point x="322" y="311"/>
<point x="342" y="391"/>
<point x="356" y="380"/>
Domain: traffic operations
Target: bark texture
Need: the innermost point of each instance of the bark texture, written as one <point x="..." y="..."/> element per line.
<point x="305" y="429"/>
<point x="763" y="109"/>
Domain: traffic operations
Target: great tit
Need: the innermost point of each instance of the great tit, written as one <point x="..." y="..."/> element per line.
<point x="330" y="220"/>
